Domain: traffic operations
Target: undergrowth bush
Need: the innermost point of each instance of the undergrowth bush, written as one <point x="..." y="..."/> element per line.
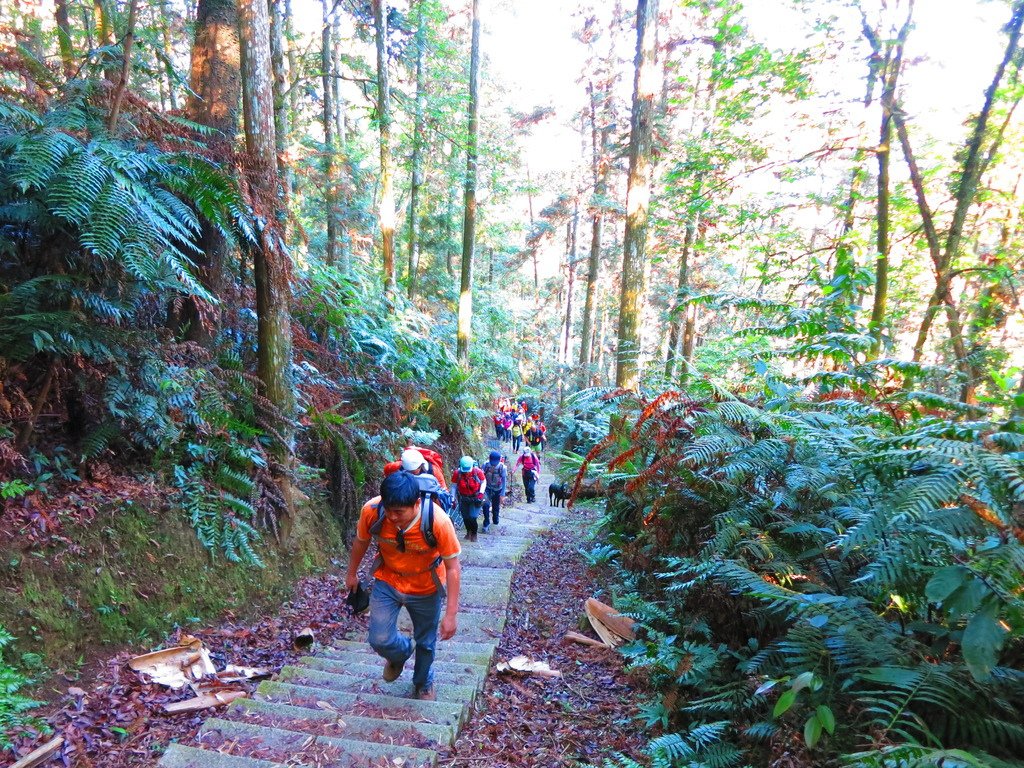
<point x="826" y="566"/>
<point x="14" y="707"/>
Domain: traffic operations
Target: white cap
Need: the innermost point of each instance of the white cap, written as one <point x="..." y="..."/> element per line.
<point x="412" y="460"/>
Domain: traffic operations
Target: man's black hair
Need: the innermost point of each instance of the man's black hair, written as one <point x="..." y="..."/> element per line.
<point x="399" y="489"/>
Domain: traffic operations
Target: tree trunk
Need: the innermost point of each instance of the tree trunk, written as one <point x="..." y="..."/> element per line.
<point x="126" y="68"/>
<point x="105" y="37"/>
<point x="680" y="311"/>
<point x="419" y="124"/>
<point x="271" y="264"/>
<point x="215" y="92"/>
<point x="570" y="266"/>
<point x="168" y="51"/>
<point x="627" y="369"/>
<point x="329" y="121"/>
<point x="882" y="152"/>
<point x="599" y="169"/>
<point x="465" y="328"/>
<point x="387" y="191"/>
<point x="277" y="58"/>
<point x="67" y="51"/>
<point x="293" y="81"/>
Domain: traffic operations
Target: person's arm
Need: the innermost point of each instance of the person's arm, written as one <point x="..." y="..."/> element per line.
<point x="504" y="480"/>
<point x="359" y="548"/>
<point x="453" y="578"/>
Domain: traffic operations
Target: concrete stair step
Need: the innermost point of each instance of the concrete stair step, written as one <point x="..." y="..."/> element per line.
<point x="360" y="665"/>
<point x="468" y="620"/>
<point x="454" y="689"/>
<point x="366" y="704"/>
<point x="332" y="723"/>
<point x="180" y="756"/>
<point x="325" y="751"/>
<point x="465" y="653"/>
<point x="484" y="595"/>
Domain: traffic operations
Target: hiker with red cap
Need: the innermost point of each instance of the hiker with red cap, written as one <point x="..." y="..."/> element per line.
<point x="417" y="567"/>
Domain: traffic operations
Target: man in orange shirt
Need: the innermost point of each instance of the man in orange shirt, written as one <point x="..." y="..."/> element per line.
<point x="412" y="571"/>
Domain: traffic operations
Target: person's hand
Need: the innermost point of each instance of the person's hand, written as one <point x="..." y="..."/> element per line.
<point x="448" y="627"/>
<point x="352" y="581"/>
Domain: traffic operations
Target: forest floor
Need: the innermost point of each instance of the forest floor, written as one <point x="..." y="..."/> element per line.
<point x="115" y="720"/>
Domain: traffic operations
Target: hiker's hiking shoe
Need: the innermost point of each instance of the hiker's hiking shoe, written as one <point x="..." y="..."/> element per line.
<point x="393" y="671"/>
<point x="426" y="693"/>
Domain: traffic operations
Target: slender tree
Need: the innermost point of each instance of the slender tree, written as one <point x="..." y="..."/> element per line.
<point x="638" y="194"/>
<point x="126" y="67"/>
<point x="330" y="124"/>
<point x="419" y="125"/>
<point x="282" y="127"/>
<point x="465" y="326"/>
<point x="67" y="51"/>
<point x="384" y="118"/>
<point x="215" y="93"/>
<point x="270" y="262"/>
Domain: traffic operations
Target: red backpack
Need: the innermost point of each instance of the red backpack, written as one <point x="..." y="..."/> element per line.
<point x="468" y="483"/>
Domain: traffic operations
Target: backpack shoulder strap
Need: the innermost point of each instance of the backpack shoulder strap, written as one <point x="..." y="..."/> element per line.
<point x="427" y="519"/>
<point x="378" y="524"/>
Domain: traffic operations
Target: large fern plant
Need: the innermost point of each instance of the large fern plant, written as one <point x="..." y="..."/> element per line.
<point x="865" y="576"/>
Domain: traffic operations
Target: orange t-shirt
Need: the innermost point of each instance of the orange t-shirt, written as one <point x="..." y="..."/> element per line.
<point x="409" y="571"/>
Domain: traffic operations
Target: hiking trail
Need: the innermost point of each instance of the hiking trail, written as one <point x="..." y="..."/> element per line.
<point x="333" y="708"/>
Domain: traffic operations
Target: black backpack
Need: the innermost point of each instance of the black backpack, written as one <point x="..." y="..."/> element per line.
<point x="431" y="493"/>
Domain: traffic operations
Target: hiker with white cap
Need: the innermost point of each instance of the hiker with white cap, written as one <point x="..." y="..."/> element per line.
<point x="470" y="484"/>
<point x="419" y="461"/>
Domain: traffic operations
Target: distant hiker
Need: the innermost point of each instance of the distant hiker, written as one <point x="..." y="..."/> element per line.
<point x="517" y="435"/>
<point x="417" y="559"/>
<point x="506" y="424"/>
<point x="497" y="485"/>
<point x="533" y="436"/>
<point x="543" y="436"/>
<point x="470" y="485"/>
<point x="498" y="418"/>
<point x="531" y="471"/>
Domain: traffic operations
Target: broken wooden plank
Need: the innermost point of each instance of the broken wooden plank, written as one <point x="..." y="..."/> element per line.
<point x="203" y="702"/>
<point x="41" y="754"/>
<point x="616" y="627"/>
<point x="576" y="637"/>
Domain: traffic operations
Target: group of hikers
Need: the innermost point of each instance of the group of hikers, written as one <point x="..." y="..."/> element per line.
<point x="417" y="562"/>
<point x="514" y="424"/>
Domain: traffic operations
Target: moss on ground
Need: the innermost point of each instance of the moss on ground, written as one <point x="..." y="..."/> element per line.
<point x="135" y="572"/>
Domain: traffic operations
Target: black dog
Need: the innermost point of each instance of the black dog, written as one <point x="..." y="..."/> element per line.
<point x="557" y="494"/>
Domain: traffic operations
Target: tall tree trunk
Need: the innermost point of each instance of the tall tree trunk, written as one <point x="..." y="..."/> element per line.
<point x="944" y="258"/>
<point x="126" y="68"/>
<point x="293" y="82"/>
<point x="387" y="191"/>
<point x="638" y="195"/>
<point x="680" y="311"/>
<point x="67" y="51"/>
<point x="570" y="285"/>
<point x="270" y="261"/>
<point x="891" y="73"/>
<point x="168" y="51"/>
<point x="465" y="328"/>
<point x="105" y="37"/>
<point x="329" y="121"/>
<point x="599" y="170"/>
<point x="419" y="124"/>
<point x="277" y="58"/>
<point x="215" y="93"/>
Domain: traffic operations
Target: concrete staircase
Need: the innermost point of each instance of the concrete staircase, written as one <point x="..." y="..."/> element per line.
<point x="333" y="710"/>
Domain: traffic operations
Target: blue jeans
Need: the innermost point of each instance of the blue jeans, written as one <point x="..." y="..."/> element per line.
<point x="492" y="507"/>
<point x="425" y="612"/>
<point x="529" y="484"/>
<point x="470" y="506"/>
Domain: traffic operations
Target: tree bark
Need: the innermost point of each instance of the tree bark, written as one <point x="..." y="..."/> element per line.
<point x="271" y="264"/>
<point x="600" y="168"/>
<point x="387" y="191"/>
<point x="638" y="195"/>
<point x="419" y="126"/>
<point x="465" y="329"/>
<point x="680" y="311"/>
<point x="281" y="122"/>
<point x="168" y="50"/>
<point x="465" y="326"/>
<point x="215" y="92"/>
<point x="126" y="68"/>
<point x="67" y="51"/>
<point x="329" y="122"/>
<point x="105" y="37"/>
